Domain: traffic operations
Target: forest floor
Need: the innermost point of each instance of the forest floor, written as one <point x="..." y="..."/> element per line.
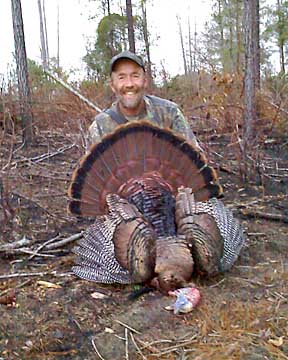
<point x="48" y="313"/>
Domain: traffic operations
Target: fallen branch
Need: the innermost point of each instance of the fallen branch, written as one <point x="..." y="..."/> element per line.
<point x="19" y="275"/>
<point x="263" y="215"/>
<point x="20" y="246"/>
<point x="42" y="157"/>
<point x="56" y="245"/>
<point x="31" y="252"/>
<point x="36" y="252"/>
<point x="73" y="91"/>
<point x="16" y="244"/>
<point x="96" y="350"/>
<point x="137" y="347"/>
<point x="128" y="327"/>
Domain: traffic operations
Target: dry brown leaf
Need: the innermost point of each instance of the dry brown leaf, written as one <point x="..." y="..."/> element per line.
<point x="109" y="330"/>
<point x="276" y="342"/>
<point x="98" y="295"/>
<point x="48" y="284"/>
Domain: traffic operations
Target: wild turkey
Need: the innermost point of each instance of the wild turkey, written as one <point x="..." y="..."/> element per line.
<point x="158" y="218"/>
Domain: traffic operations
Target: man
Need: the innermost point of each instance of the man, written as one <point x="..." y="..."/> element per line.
<point x="128" y="82"/>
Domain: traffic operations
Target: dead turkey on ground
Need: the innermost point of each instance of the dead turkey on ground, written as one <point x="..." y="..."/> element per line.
<point x="157" y="215"/>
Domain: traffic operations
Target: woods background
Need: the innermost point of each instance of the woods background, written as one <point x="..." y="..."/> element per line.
<point x="234" y="93"/>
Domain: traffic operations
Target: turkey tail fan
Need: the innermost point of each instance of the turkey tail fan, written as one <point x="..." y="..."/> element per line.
<point x="133" y="151"/>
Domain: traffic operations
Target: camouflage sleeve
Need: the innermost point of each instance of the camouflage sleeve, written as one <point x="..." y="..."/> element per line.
<point x="101" y="125"/>
<point x="94" y="133"/>
<point x="180" y="124"/>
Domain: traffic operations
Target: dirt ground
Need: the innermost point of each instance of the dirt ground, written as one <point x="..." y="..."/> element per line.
<point x="48" y="313"/>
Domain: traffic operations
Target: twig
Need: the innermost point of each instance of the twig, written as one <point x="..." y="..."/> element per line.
<point x="42" y="246"/>
<point x="252" y="282"/>
<point x="277" y="107"/>
<point x="96" y="350"/>
<point x="42" y="157"/>
<point x="15" y="287"/>
<point x="226" y="170"/>
<point x="53" y="273"/>
<point x="65" y="241"/>
<point x="46" y="176"/>
<point x="40" y="207"/>
<point x="16" y="244"/>
<point x="172" y="348"/>
<point x="264" y="199"/>
<point x="128" y="327"/>
<point x="137" y="347"/>
<point x="126" y="344"/>
<point x="151" y="346"/>
<point x="256" y="234"/>
<point x="32" y="253"/>
<point x="261" y="214"/>
<point x="218" y="283"/>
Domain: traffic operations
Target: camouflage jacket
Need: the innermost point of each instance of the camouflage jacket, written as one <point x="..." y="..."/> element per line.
<point x="162" y="112"/>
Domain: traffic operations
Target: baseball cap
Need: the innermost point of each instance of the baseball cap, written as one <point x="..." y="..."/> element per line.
<point x="126" y="55"/>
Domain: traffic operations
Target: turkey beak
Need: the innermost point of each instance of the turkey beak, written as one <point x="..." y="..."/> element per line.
<point x="180" y="304"/>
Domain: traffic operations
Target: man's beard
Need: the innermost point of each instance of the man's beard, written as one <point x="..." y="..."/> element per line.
<point x="132" y="102"/>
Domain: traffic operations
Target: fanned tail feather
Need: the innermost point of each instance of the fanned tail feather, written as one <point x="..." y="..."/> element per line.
<point x="134" y="151"/>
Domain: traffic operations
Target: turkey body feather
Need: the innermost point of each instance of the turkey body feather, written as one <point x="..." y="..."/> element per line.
<point x="158" y="219"/>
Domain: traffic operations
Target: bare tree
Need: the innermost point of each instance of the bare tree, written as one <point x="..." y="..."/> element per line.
<point x="131" y="37"/>
<point x="256" y="43"/>
<point x="22" y="73"/>
<point x="45" y="28"/>
<point x="281" y="41"/>
<point x="221" y="30"/>
<point x="146" y="40"/>
<point x="58" y="37"/>
<point x="44" y="55"/>
<point x="238" y="38"/>
<point x="182" y="44"/>
<point x="190" y="46"/>
<point x="251" y="68"/>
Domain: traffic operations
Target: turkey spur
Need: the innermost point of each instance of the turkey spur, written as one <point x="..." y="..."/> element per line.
<point x="158" y="217"/>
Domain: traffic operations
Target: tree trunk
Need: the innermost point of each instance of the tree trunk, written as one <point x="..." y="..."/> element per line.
<point x="190" y="47"/>
<point x="280" y="36"/>
<point x="231" y="63"/>
<point x="131" y="37"/>
<point x="221" y="30"/>
<point x="45" y="29"/>
<point x="182" y="45"/>
<point x="22" y="73"/>
<point x="42" y="38"/>
<point x="249" y="86"/>
<point x="256" y="43"/>
<point x="238" y="40"/>
<point x="146" y="40"/>
<point x="195" y="47"/>
<point x="58" y="37"/>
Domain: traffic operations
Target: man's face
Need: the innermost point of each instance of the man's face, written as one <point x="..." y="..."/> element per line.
<point x="128" y="82"/>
